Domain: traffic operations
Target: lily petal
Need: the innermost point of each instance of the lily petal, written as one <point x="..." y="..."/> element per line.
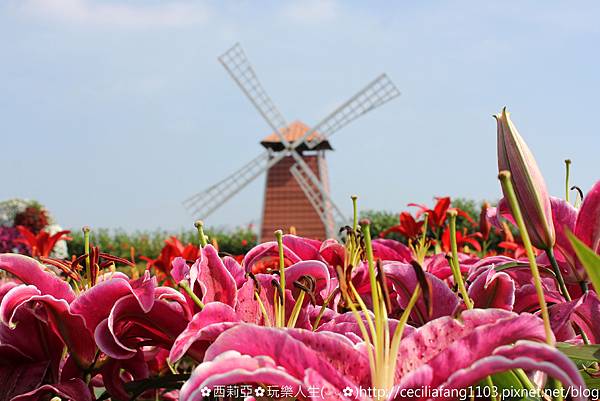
<point x="205" y="327"/>
<point x="29" y="271"/>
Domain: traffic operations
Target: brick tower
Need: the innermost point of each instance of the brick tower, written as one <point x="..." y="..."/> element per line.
<point x="285" y="203"/>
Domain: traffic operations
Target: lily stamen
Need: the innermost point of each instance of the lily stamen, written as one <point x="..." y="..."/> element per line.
<point x="261" y="305"/>
<point x="297" y="306"/>
<point x="278" y="304"/>
<point x="330" y="298"/>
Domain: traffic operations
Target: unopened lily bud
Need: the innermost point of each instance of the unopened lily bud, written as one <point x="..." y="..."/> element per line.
<point x="528" y="182"/>
<point x="484" y="224"/>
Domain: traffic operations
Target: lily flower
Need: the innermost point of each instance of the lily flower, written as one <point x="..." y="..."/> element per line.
<point x="111" y="320"/>
<point x="484" y="223"/>
<point x="437" y="216"/>
<point x="493" y="289"/>
<point x="404" y="281"/>
<point x="507" y="283"/>
<point x="575" y="320"/>
<point x="173" y="248"/>
<point x="408" y="227"/>
<point x="585" y="225"/>
<point x="530" y="189"/>
<point x="444" y="354"/>
<point x="31" y="356"/>
<point x="42" y="243"/>
<point x="265" y="257"/>
<point x="462" y="238"/>
<point x="257" y="300"/>
<point x="208" y="277"/>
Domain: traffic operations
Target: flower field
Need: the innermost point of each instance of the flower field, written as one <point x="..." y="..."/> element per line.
<point x="440" y="306"/>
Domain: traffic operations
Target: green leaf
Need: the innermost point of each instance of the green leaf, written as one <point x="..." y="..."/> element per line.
<point x="588" y="258"/>
<point x="587" y="353"/>
<point x="520" y="265"/>
<point x="506" y="380"/>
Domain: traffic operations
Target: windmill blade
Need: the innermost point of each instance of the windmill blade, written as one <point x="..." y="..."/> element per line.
<point x="237" y="65"/>
<point x="302" y="168"/>
<point x="321" y="201"/>
<point x="378" y="92"/>
<point x="202" y="204"/>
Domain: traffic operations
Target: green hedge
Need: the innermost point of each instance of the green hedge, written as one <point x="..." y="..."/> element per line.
<point x="149" y="243"/>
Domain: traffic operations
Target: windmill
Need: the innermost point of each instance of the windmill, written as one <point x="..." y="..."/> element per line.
<point x="297" y="188"/>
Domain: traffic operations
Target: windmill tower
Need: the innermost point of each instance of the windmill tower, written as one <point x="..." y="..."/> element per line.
<point x="297" y="187"/>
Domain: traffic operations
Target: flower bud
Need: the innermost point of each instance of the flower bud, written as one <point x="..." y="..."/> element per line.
<point x="484" y="224"/>
<point x="527" y="180"/>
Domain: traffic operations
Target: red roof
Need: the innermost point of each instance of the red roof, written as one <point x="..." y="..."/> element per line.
<point x="295" y="131"/>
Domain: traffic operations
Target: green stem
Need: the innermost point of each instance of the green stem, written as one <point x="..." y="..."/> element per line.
<point x="397" y="336"/>
<point x="484" y="248"/>
<point x="568" y="168"/>
<point x="509" y="193"/>
<point x="558" y="274"/>
<point x="366" y="229"/>
<point x="279" y="236"/>
<point x="186" y="287"/>
<point x="524" y="379"/>
<point x="201" y="237"/>
<point x="458" y="278"/>
<point x="455" y="265"/>
<point x="86" y="250"/>
<point x="490" y="384"/>
<point x="354" y="212"/>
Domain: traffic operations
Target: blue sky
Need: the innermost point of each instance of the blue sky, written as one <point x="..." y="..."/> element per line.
<point x="114" y="112"/>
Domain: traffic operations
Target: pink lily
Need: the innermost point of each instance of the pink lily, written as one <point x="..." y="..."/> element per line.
<point x="30" y="358"/>
<point x="403" y="281"/>
<point x="464" y="355"/>
<point x="208" y="277"/>
<point x="131" y="314"/>
<point x="584" y="223"/>
<point x="252" y="302"/>
<point x="582" y="314"/>
<point x="493" y="290"/>
<point x="508" y="284"/>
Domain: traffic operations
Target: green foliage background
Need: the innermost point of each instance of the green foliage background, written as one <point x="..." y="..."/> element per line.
<point x="241" y="240"/>
<point x="149" y="243"/>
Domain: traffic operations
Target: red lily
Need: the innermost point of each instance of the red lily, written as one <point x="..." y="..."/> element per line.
<point x="437" y="216"/>
<point x="462" y="239"/>
<point x="42" y="243"/>
<point x="173" y="248"/>
<point x="408" y="227"/>
<point x="484" y="223"/>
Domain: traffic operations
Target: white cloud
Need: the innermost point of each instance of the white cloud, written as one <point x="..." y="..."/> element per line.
<point x="311" y="11"/>
<point x="103" y="13"/>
